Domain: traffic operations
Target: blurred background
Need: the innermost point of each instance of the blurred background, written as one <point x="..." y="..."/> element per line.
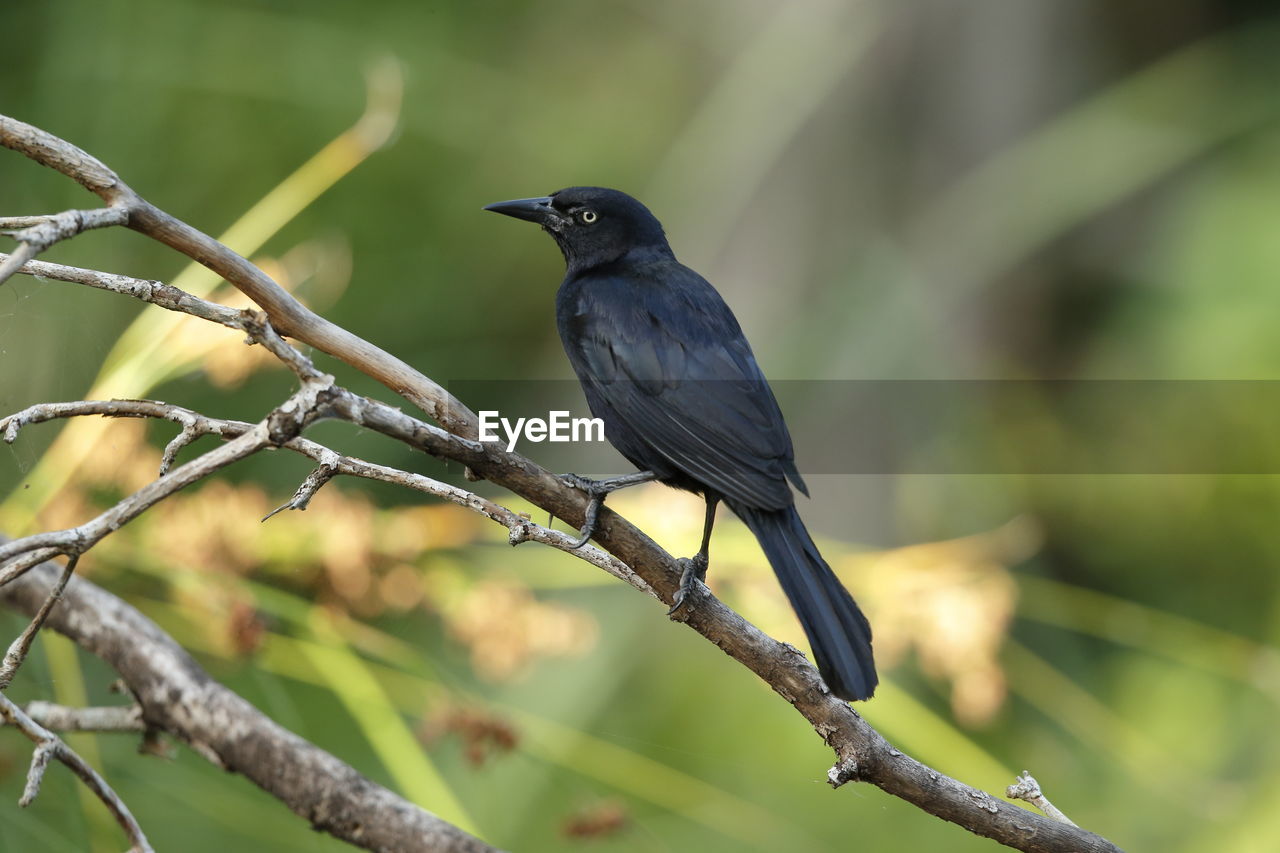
<point x="1057" y="189"/>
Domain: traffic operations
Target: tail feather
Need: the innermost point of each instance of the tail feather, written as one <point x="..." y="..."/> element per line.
<point x="838" y="633"/>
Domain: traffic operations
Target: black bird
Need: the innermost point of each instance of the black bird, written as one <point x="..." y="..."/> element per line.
<point x="664" y="364"/>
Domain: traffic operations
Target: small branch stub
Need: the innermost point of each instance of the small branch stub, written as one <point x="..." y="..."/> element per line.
<point x="301" y="499"/>
<point x="1027" y="788"/>
<point x="845" y="770"/>
<point x="107" y="718"/>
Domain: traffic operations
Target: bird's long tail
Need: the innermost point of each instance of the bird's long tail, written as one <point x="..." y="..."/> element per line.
<point x="838" y="633"/>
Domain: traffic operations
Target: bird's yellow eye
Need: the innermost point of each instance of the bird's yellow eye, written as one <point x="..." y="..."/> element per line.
<point x="588" y="216"/>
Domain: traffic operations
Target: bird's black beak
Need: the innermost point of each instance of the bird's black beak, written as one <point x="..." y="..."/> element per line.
<point x="537" y="210"/>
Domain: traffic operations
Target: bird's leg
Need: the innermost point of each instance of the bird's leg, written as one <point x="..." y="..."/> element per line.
<point x="693" y="570"/>
<point x="597" y="491"/>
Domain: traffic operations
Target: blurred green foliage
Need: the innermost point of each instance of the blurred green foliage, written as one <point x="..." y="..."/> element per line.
<point x="935" y="190"/>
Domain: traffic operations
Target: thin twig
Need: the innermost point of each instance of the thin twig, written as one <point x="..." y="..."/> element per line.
<point x="155" y="292"/>
<point x="42" y="234"/>
<point x="307" y="490"/>
<point x="50" y="746"/>
<point x="254" y="324"/>
<point x="189" y="433"/>
<point x="520" y="528"/>
<point x="281" y="425"/>
<point x="18" y="649"/>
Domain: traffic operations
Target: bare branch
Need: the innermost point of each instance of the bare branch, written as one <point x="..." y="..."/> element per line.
<point x="155" y="292"/>
<point x="42" y="412"/>
<point x="253" y="324"/>
<point x="178" y="697"/>
<point x="50" y="746"/>
<point x="19" y="566"/>
<point x="281" y="425"/>
<point x="861" y="753"/>
<point x="47" y="230"/>
<point x="61" y="156"/>
<point x="520" y="527"/>
<point x="289" y="316"/>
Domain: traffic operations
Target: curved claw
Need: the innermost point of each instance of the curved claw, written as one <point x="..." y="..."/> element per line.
<point x="692" y="571"/>
<point x="589" y="521"/>
<point x="682" y="598"/>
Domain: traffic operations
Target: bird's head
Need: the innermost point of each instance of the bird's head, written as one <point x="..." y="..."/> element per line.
<point x="591" y="225"/>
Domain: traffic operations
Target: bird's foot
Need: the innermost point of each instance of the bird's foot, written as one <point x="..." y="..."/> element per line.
<point x="693" y="571"/>
<point x="609" y="484"/>
<point x="597" y="491"/>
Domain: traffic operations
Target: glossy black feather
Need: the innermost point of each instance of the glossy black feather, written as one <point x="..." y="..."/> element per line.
<point x="665" y="365"/>
<point x="838" y="633"/>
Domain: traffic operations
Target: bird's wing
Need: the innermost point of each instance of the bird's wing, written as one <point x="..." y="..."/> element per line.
<point x="665" y="357"/>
